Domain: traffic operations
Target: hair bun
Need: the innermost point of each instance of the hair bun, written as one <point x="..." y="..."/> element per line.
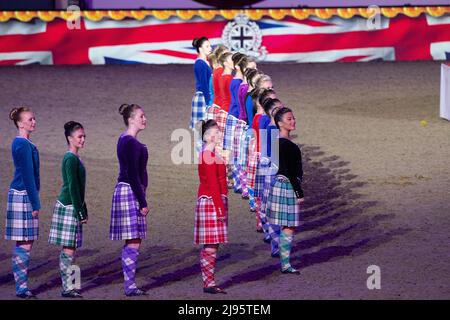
<point x="195" y="43"/>
<point x="122" y="108"/>
<point x="12" y="113"/>
<point x="68" y="125"/>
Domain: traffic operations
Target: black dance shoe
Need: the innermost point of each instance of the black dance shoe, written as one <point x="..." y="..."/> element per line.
<point x="26" y="295"/>
<point x="290" y="270"/>
<point x="136" y="293"/>
<point x="74" y="294"/>
<point x="214" y="290"/>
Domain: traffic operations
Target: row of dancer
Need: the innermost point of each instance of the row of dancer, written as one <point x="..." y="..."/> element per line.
<point x="128" y="210"/>
<point x="238" y="103"/>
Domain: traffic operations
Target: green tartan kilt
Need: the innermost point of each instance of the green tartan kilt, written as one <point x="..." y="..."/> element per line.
<point x="282" y="206"/>
<point x="65" y="230"/>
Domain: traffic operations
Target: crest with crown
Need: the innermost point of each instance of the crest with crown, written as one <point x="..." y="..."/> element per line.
<point x="243" y="35"/>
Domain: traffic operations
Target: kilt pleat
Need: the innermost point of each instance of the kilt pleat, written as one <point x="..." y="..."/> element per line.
<point x="253" y="159"/>
<point x="244" y="148"/>
<point x="268" y="181"/>
<point x="262" y="169"/>
<point x="221" y="119"/>
<point x="229" y="132"/>
<point x="238" y="140"/>
<point x="211" y="112"/>
<point x="20" y="223"/>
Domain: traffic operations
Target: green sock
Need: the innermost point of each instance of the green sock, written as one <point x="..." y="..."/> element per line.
<point x="285" y="250"/>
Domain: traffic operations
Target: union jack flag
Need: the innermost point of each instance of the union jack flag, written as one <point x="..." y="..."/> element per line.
<point x="160" y="42"/>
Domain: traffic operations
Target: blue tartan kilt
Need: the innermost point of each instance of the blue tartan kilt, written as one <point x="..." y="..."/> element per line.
<point x="198" y="109"/>
<point x="268" y="182"/>
<point x="20" y="223"/>
<point x="243" y="152"/>
<point x="262" y="169"/>
<point x="229" y="132"/>
<point x="282" y="207"/>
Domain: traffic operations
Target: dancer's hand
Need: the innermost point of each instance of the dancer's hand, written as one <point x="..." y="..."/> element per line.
<point x="84" y="221"/>
<point x="144" y="211"/>
<point x="35" y="213"/>
<point x="301" y="200"/>
<point x="222" y="219"/>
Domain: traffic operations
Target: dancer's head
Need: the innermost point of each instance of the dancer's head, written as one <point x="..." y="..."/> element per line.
<point x="257" y="107"/>
<point x="252" y="76"/>
<point x="74" y="133"/>
<point x="133" y="116"/>
<point x="226" y="61"/>
<point x="271" y="106"/>
<point x="251" y="63"/>
<point x="240" y="62"/>
<point x="23" y="118"/>
<point x="213" y="61"/>
<point x="285" y="120"/>
<point x="202" y="45"/>
<point x="219" y="49"/>
<point x="265" y="94"/>
<point x="264" y="82"/>
<point x="210" y="131"/>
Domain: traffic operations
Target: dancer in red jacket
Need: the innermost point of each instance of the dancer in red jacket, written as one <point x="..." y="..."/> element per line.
<point x="212" y="205"/>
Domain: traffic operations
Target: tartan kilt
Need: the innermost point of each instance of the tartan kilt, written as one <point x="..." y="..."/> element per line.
<point x="253" y="159"/>
<point x="126" y="220"/>
<point x="268" y="181"/>
<point x="237" y="140"/>
<point x="198" y="109"/>
<point x="229" y="132"/>
<point x="244" y="145"/>
<point x="211" y="112"/>
<point x="260" y="178"/>
<point x="207" y="229"/>
<point x="221" y="119"/>
<point x="20" y="223"/>
<point x="65" y="230"/>
<point x="282" y="208"/>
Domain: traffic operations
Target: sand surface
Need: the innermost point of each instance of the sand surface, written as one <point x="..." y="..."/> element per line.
<point x="377" y="182"/>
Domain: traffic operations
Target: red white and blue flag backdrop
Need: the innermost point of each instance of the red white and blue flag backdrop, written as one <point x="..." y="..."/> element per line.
<point x="156" y="41"/>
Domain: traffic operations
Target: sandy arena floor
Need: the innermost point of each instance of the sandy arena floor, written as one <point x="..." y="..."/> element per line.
<point x="377" y="182"/>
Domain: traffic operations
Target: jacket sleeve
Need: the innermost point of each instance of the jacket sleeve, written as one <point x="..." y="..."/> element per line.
<point x="132" y="156"/>
<point x="24" y="161"/>
<point x="295" y="169"/>
<point x="212" y="176"/>
<point x="71" y="168"/>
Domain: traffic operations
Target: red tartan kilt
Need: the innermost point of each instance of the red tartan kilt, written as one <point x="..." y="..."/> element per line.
<point x="251" y="169"/>
<point x="207" y="229"/>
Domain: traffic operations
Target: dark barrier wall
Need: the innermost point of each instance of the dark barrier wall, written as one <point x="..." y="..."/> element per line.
<point x="27" y="4"/>
<point x="208" y="4"/>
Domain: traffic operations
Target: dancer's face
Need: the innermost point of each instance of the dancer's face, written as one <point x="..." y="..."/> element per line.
<point x="27" y="121"/>
<point x="77" y="138"/>
<point x="267" y="85"/>
<point x="213" y="135"/>
<point x="229" y="62"/>
<point x="138" y="119"/>
<point x="287" y="122"/>
<point x="206" y="48"/>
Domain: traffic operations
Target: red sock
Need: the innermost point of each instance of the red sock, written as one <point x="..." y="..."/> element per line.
<point x="208" y="264"/>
